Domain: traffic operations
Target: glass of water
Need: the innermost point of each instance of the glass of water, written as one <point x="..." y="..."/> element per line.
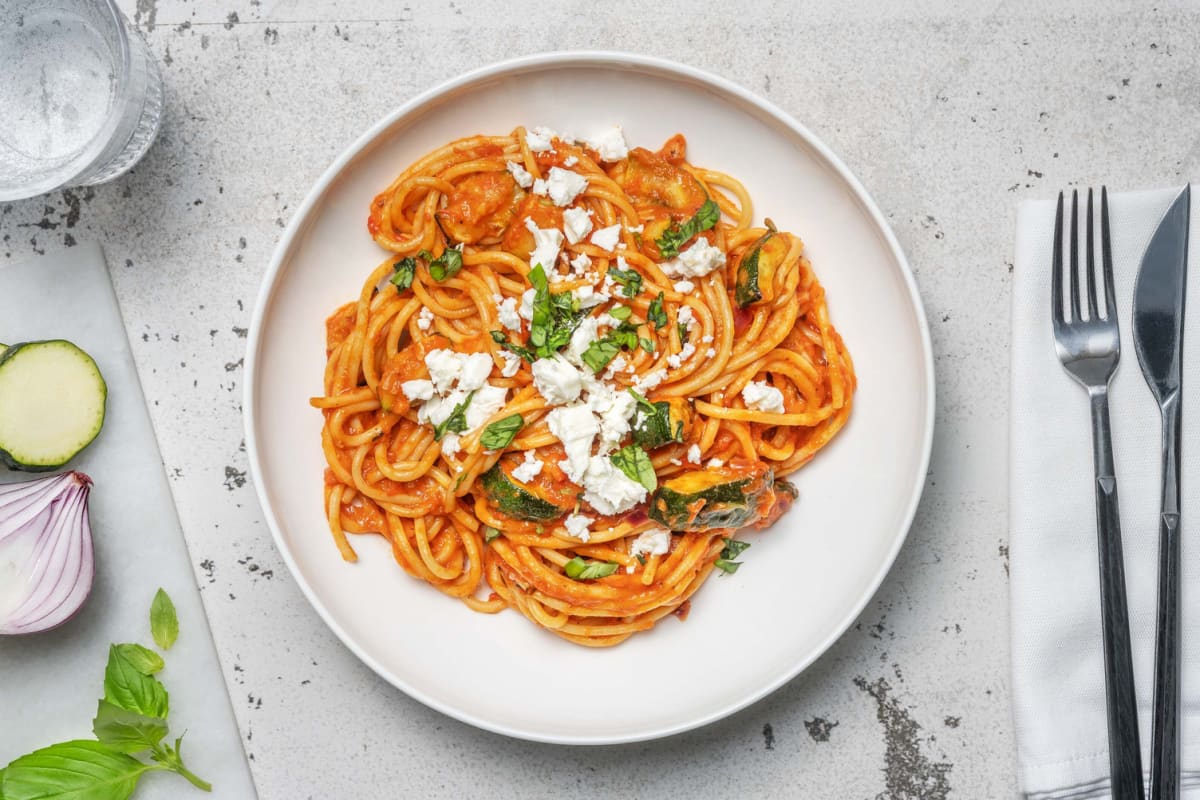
<point x="80" y="95"/>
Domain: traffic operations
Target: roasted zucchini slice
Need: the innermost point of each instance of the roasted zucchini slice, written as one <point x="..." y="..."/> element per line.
<point x="756" y="270"/>
<point x="515" y="499"/>
<point x="721" y="497"/>
<point x="670" y="422"/>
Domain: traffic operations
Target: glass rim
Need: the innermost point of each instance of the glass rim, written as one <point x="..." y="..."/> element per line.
<point x="86" y="159"/>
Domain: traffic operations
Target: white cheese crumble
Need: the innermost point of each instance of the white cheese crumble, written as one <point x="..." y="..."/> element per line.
<point x="654" y="542"/>
<point x="417" y="390"/>
<point x="444" y="368"/>
<point x="715" y="463"/>
<point x="540" y="188"/>
<point x="606" y="238"/>
<point x="581" y="262"/>
<point x="453" y="379"/>
<point x="474" y="371"/>
<point x="425" y="319"/>
<point x="674" y="361"/>
<point x="644" y="383"/>
<point x="577" y="526"/>
<point x="685" y="287"/>
<point x="546" y="245"/>
<point x="506" y="310"/>
<point x="576" y="225"/>
<point x="609" y="490"/>
<point x="762" y="396"/>
<point x="528" y="469"/>
<point x="512" y="363"/>
<point x="697" y="261"/>
<point x="520" y="174"/>
<point x="693" y="454"/>
<point x="710" y="352"/>
<point x="589" y="298"/>
<point x="635" y="229"/>
<point x="487" y="401"/>
<point x="556" y="380"/>
<point x="686" y="316"/>
<point x="450" y="444"/>
<point x="526" y="308"/>
<point x="538" y="139"/>
<point x="575" y="427"/>
<point x="609" y="144"/>
<point x="570" y="161"/>
<point x="564" y="186"/>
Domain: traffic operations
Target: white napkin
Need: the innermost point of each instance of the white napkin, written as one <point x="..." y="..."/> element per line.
<point x="1058" y="665"/>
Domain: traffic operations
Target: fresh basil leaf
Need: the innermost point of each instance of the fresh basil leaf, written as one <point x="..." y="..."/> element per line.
<point x="78" y="770"/>
<point x="501" y="432"/>
<point x="630" y="280"/>
<point x="642" y="402"/>
<point x="555" y="316"/>
<point x="446" y="265"/>
<point x="456" y="422"/>
<point x="657" y="314"/>
<point x="405" y="271"/>
<point x="164" y="624"/>
<point x="677" y="235"/>
<point x="727" y="566"/>
<point x="733" y="548"/>
<point x="126" y="687"/>
<point x="127" y="731"/>
<point x="489" y="533"/>
<point x="599" y="353"/>
<point x="580" y="570"/>
<point x="620" y="312"/>
<point x="142" y="659"/>
<point x="684" y="333"/>
<point x="647" y="344"/>
<point x="634" y="462"/>
<point x="516" y="349"/>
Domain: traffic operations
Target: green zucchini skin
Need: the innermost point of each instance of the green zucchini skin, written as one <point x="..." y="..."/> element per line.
<point x="757" y="269"/>
<point x="514" y="500"/>
<point x="711" y="498"/>
<point x="79" y="425"/>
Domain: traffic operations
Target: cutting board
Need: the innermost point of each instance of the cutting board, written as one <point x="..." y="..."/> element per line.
<point x="50" y="682"/>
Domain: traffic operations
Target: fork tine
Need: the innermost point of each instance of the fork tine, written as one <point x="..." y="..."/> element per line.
<point x="1110" y="302"/>
<point x="1056" y="278"/>
<point x="1076" y="315"/>
<point x="1091" y="263"/>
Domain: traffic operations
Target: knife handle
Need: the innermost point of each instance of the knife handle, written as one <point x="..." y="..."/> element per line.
<point x="1164" y="765"/>
<point x="1124" y="747"/>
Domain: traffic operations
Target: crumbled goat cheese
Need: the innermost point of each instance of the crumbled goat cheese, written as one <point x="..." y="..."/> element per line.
<point x="556" y="380"/>
<point x="450" y="444"/>
<point x="693" y="454"/>
<point x="762" y="396"/>
<point x="635" y="228"/>
<point x="609" y="490"/>
<point x="425" y="319"/>
<point x="575" y="427"/>
<point x="487" y="401"/>
<point x="444" y="368"/>
<point x="685" y="287"/>
<point x="710" y="352"/>
<point x="540" y="188"/>
<point x="687" y="352"/>
<point x="576" y="225"/>
<point x="417" y="390"/>
<point x="506" y="310"/>
<point x="715" y="463"/>
<point x="475" y="370"/>
<point x="546" y="245"/>
<point x="581" y="262"/>
<point x="528" y="469"/>
<point x="609" y="144"/>
<point x="606" y="238"/>
<point x="686" y="316"/>
<point x="654" y="542"/>
<point x="539" y="138"/>
<point x="570" y="161"/>
<point x="564" y="186"/>
<point x="577" y="526"/>
<point x="697" y="261"/>
<point x="520" y="174"/>
<point x="512" y="363"/>
<point x="589" y="297"/>
<point x="526" y="308"/>
<point x="644" y="383"/>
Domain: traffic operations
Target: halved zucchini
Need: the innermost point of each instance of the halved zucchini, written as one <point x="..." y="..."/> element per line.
<point x="670" y="422"/>
<point x="52" y="399"/>
<point x="722" y="497"/>
<point x="516" y="499"/>
<point x="756" y="271"/>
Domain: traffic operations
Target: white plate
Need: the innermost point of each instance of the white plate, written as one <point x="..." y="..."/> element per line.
<point x="802" y="583"/>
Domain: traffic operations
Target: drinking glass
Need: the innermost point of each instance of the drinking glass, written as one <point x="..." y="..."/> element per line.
<point x="80" y="95"/>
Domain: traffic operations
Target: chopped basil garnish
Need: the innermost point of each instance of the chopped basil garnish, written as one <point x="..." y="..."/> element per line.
<point x="733" y="548"/>
<point x="727" y="565"/>
<point x="635" y="463"/>
<point x="647" y="344"/>
<point x="677" y="235"/>
<point x="620" y="312"/>
<point x="599" y="353"/>
<point x="629" y="279"/>
<point x="444" y="266"/>
<point x="516" y="349"/>
<point x="456" y="422"/>
<point x="657" y="314"/>
<point x="489" y="533"/>
<point x="684" y="333"/>
<point x="580" y="570"/>
<point x="501" y="432"/>
<point x="555" y="316"/>
<point x="642" y="402"/>
<point x="406" y="269"/>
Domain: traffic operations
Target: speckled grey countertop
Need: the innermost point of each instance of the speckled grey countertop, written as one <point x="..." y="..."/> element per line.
<point x="950" y="113"/>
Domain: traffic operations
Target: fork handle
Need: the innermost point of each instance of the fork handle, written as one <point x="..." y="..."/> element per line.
<point x="1124" y="750"/>
<point x="1164" y="765"/>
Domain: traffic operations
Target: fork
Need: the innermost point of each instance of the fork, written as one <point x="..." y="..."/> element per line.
<point x="1089" y="349"/>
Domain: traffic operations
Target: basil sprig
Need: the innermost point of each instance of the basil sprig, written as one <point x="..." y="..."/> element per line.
<point x="555" y="316"/>
<point x="635" y="462"/>
<point x="130" y="728"/>
<point x="603" y="350"/>
<point x="733" y="548"/>
<point x="489" y="533"/>
<point x="677" y="235"/>
<point x="629" y="279"/>
<point x="501" y="432"/>
<point x="580" y="570"/>
<point x="524" y="352"/>
<point x="657" y="314"/>
<point x="456" y="422"/>
<point x="444" y="266"/>
<point x="405" y="271"/>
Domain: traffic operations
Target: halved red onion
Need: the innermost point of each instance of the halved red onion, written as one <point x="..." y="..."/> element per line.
<point x="46" y="559"/>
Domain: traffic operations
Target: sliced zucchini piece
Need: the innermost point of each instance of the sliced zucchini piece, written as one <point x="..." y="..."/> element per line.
<point x="52" y="399"/>
<point x="515" y="499"/>
<point x="724" y="497"/>
<point x="756" y="271"/>
<point x="670" y="422"/>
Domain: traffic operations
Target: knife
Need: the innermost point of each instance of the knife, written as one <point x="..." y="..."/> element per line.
<point x="1158" y="310"/>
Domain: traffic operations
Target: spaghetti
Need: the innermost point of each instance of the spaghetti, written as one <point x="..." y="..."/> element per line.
<point x="578" y="372"/>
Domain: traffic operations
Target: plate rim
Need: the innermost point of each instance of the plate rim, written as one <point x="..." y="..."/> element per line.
<point x="605" y="59"/>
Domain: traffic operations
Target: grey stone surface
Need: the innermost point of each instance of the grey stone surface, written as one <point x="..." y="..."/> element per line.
<point x="949" y="113"/>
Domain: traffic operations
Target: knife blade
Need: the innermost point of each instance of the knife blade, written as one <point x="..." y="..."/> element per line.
<point x="1158" y="314"/>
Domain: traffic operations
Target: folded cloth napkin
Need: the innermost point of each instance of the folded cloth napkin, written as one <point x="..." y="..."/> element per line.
<point x="1058" y="664"/>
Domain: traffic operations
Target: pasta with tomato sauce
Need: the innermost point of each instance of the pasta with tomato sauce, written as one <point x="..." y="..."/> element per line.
<point x="579" y="371"/>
